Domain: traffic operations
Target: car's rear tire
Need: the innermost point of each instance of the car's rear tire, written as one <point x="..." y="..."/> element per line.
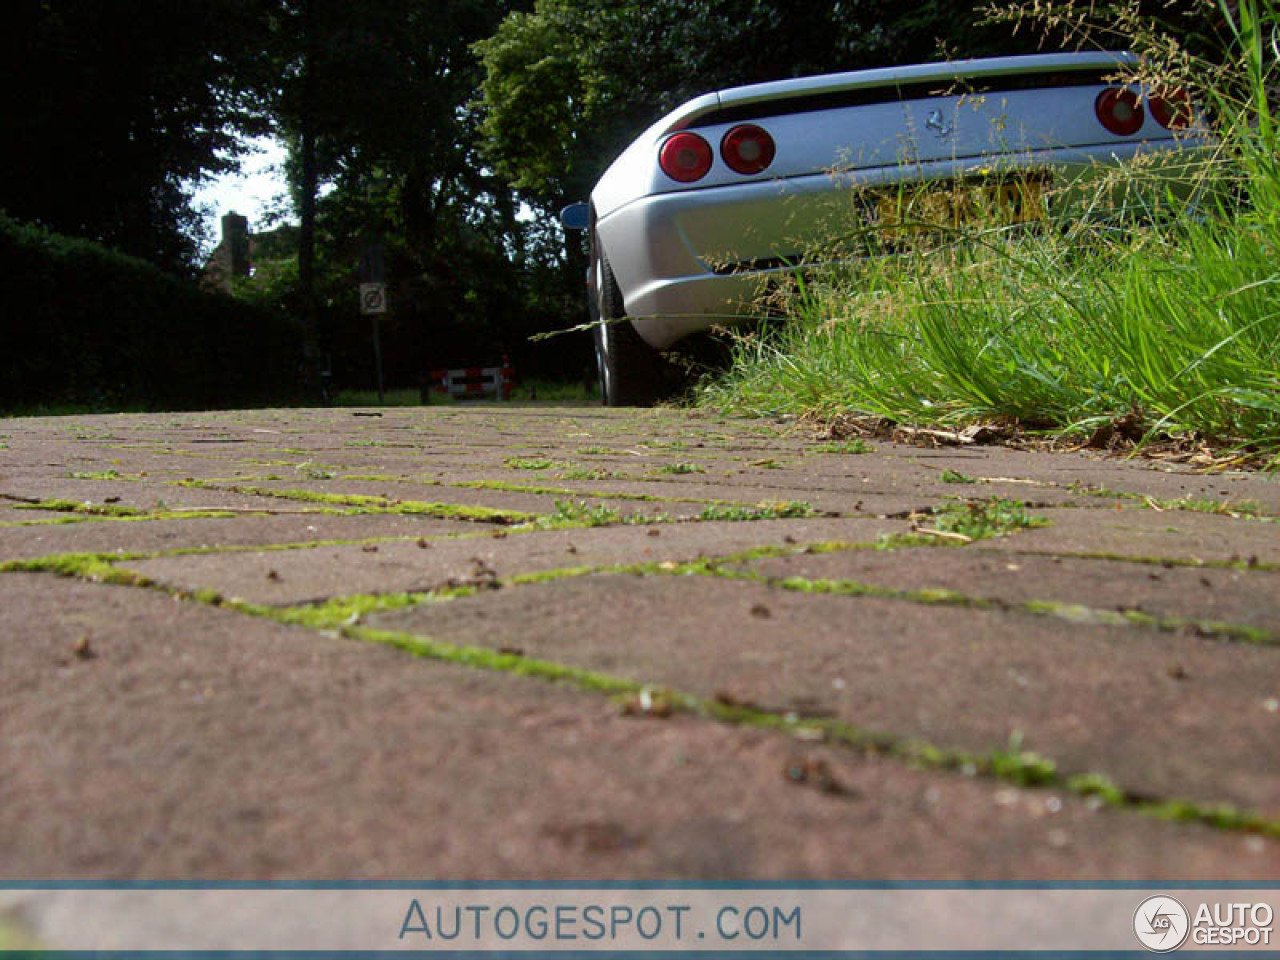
<point x="632" y="373"/>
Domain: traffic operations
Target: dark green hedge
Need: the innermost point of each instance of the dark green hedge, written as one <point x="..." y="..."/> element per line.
<point x="84" y="325"/>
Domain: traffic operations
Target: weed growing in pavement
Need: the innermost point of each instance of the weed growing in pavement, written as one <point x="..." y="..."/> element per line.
<point x="1022" y="767"/>
<point x="97" y="475"/>
<point x="681" y="468"/>
<point x="569" y="513"/>
<point x="311" y="471"/>
<point x="1222" y="508"/>
<point x="854" y="446"/>
<point x="531" y="463"/>
<point x="764" y="511"/>
<point x="983" y="519"/>
<point x="1225" y="508"/>
<point x="645" y="519"/>
<point x="588" y="473"/>
<point x="579" y="513"/>
<point x="955" y="476"/>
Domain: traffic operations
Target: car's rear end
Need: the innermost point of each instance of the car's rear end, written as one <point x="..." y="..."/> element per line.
<point x="740" y="183"/>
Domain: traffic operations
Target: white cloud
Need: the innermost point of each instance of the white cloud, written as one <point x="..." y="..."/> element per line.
<point x="249" y="192"/>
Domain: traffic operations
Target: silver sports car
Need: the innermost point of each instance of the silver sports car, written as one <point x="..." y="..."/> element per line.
<point x="738" y="185"/>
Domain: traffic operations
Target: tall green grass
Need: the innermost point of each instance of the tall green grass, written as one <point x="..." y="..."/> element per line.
<point x="1165" y="312"/>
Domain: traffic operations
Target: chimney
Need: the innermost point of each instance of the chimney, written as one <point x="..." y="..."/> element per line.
<point x="235" y="241"/>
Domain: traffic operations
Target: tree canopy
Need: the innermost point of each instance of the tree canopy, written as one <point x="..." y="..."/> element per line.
<point x="114" y="107"/>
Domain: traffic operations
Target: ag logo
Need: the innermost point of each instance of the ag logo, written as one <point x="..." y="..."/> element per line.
<point x="1161" y="923"/>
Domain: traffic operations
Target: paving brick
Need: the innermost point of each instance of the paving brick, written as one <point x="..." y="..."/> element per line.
<point x="1236" y="597"/>
<point x="196" y="744"/>
<point x="1175" y="535"/>
<point x="1163" y="715"/>
<point x="298" y="576"/>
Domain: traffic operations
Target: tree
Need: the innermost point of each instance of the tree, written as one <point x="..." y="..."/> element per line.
<point x="375" y="102"/>
<point x="115" y="107"/>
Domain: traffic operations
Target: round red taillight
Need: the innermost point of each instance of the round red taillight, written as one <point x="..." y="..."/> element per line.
<point x="1119" y="111"/>
<point x="1172" y="110"/>
<point x="747" y="149"/>
<point x="685" y="157"/>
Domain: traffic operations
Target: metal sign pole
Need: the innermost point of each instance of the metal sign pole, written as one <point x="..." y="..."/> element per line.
<point x="377" y="356"/>
<point x="373" y="300"/>
<point x="373" y="303"/>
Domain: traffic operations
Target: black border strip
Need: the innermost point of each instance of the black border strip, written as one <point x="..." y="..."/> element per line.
<point x="958" y="86"/>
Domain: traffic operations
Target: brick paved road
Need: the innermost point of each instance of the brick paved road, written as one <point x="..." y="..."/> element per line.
<point x="560" y="643"/>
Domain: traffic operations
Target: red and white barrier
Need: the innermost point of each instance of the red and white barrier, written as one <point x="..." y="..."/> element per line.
<point x="475" y="381"/>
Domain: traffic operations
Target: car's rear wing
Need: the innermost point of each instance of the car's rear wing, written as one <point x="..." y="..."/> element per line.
<point x="824" y="92"/>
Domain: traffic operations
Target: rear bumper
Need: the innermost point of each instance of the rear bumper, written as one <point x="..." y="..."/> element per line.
<point x="678" y="257"/>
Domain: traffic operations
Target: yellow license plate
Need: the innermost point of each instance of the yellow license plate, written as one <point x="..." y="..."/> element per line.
<point x="943" y="207"/>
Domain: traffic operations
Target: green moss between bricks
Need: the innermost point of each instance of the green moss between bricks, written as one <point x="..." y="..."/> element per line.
<point x="1152" y="561"/>
<point x="486" y="659"/>
<point x="1074" y="613"/>
<point x="196" y="514"/>
<point x="569" y="492"/>
<point x="729" y="567"/>
<point x="76" y="506"/>
<point x="780" y="510"/>
<point x="1024" y="769"/>
<point x="505" y="486"/>
<point x="64" y="520"/>
<point x="370" y="504"/>
<point x="97" y="567"/>
<point x="851" y="588"/>
<point x="299" y="545"/>
<point x="335" y="613"/>
<point x="910" y="541"/>
<point x="531" y="463"/>
<point x="1210" y="629"/>
<point x="1236" y="509"/>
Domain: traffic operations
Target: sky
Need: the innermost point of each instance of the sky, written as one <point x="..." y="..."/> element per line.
<point x="249" y="192"/>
